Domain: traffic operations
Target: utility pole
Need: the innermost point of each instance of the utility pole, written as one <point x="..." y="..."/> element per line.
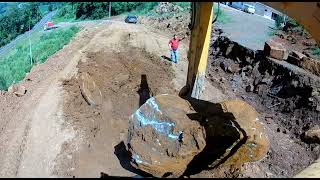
<point x="30" y="45"/>
<point x="109" y="10"/>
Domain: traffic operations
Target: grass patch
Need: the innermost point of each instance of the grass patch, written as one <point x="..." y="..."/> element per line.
<point x="222" y="16"/>
<point x="316" y="52"/>
<point x="58" y="19"/>
<point x="44" y="9"/>
<point x="65" y="14"/>
<point x="272" y="32"/>
<point x="44" y="44"/>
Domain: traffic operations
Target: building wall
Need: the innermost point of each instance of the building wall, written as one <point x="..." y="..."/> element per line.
<point x="266" y="11"/>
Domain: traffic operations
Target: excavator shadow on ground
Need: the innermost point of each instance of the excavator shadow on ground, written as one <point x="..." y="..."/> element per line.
<point x="223" y="135"/>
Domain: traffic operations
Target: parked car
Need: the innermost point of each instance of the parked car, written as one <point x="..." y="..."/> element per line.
<point x="249" y="8"/>
<point x="131" y="19"/>
<point x="49" y="25"/>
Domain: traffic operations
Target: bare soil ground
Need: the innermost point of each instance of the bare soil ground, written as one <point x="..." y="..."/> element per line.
<point x="52" y="132"/>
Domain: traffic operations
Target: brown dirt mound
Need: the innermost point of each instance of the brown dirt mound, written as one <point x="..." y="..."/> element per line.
<point x="124" y="78"/>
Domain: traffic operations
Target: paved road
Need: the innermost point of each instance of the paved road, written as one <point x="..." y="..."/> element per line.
<point x="39" y="25"/>
<point x="246" y="29"/>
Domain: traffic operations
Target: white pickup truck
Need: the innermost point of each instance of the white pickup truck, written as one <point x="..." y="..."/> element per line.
<point x="49" y="25"/>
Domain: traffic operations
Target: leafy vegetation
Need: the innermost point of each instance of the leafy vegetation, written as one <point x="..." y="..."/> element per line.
<point x="16" y="21"/>
<point x="17" y="63"/>
<point x="4" y="6"/>
<point x="222" y="16"/>
<point x="316" y="52"/>
<point x="184" y="5"/>
<point x="74" y="11"/>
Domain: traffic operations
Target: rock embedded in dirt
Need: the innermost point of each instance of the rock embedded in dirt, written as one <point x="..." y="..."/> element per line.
<point x="18" y="90"/>
<point x="255" y="143"/>
<point x="250" y="88"/>
<point x="313" y="135"/>
<point x="311" y="65"/>
<point x="89" y="90"/>
<point x="162" y="139"/>
<point x="297" y="54"/>
<point x="275" y="50"/>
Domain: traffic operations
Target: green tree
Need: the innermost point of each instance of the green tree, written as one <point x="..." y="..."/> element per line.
<point x="50" y="7"/>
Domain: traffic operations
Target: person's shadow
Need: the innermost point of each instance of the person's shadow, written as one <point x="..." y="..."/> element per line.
<point x="166" y="58"/>
<point x="144" y="90"/>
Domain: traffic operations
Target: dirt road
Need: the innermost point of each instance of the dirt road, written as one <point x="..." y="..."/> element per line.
<point x="53" y="132"/>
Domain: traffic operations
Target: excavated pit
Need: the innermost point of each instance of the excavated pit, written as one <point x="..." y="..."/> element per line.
<point x="286" y="96"/>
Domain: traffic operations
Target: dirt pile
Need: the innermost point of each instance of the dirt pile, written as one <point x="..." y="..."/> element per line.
<point x="125" y="80"/>
<point x="162" y="139"/>
<point x="167" y="7"/>
<point x="169" y="18"/>
<point x="286" y="96"/>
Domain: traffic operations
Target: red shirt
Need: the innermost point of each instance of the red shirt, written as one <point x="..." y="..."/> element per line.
<point x="174" y="43"/>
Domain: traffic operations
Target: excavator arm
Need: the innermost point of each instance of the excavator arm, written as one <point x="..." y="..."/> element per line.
<point x="305" y="13"/>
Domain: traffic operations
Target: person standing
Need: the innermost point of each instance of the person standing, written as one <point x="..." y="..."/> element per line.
<point x="173" y="46"/>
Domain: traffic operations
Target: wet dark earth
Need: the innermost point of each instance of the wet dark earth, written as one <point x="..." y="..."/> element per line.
<point x="286" y="97"/>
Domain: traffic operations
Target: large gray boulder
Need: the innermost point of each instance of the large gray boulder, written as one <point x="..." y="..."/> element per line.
<point x="162" y="139"/>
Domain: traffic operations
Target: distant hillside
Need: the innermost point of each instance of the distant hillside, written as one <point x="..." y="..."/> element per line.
<point x="4" y="6"/>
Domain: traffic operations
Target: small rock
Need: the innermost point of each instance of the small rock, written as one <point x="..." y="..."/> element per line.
<point x="229" y="49"/>
<point x="18" y="90"/>
<point x="250" y="88"/>
<point x="284" y="131"/>
<point x="307" y="43"/>
<point x="313" y="134"/>
<point x="275" y="50"/>
<point x="224" y="66"/>
<point x="266" y="79"/>
<point x="243" y="75"/>
<point x="229" y="69"/>
<point x="297" y="54"/>
<point x="306" y="53"/>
